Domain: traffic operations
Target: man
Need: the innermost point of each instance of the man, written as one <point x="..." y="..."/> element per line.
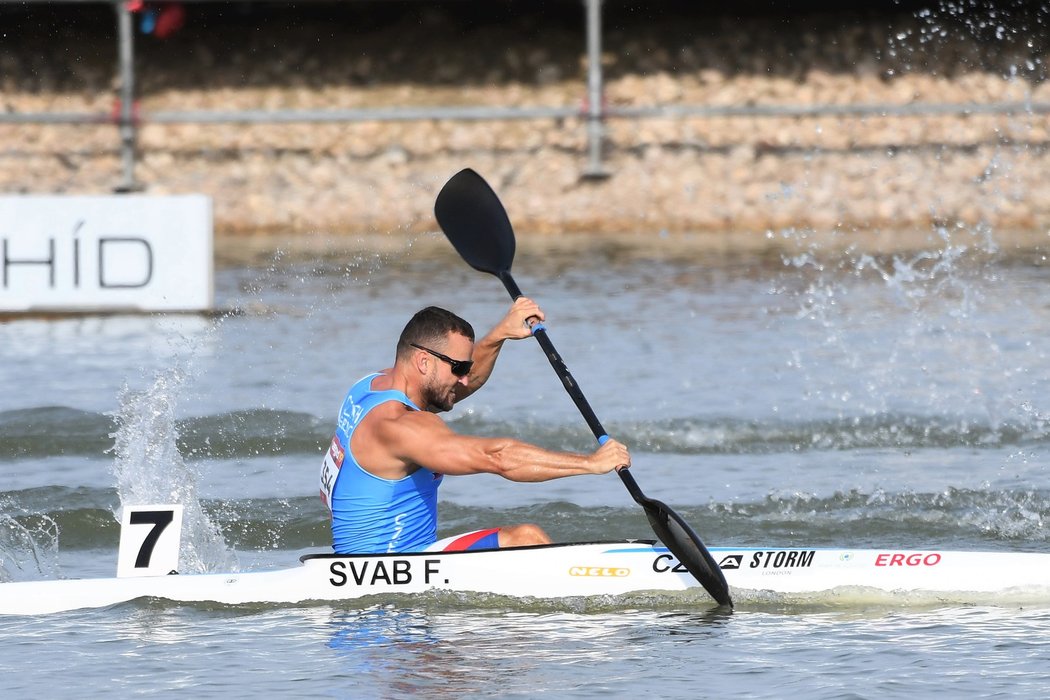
<point x="390" y="452"/>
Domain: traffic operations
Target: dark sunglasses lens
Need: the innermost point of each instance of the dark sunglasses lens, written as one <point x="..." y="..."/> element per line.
<point x="460" y="368"/>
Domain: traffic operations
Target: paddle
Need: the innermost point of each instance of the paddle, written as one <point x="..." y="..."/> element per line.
<point x="476" y="223"/>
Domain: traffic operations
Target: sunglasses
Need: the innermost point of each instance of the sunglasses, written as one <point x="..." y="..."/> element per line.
<point x="460" y="368"/>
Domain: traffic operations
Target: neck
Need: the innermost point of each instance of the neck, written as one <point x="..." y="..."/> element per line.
<point x="397" y="378"/>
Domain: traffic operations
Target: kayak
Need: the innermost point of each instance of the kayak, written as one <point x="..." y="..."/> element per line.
<point x="569" y="570"/>
<point x="151" y="539"/>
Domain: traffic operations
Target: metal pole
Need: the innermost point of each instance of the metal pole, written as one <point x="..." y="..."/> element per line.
<point x="595" y="127"/>
<point x="126" y="38"/>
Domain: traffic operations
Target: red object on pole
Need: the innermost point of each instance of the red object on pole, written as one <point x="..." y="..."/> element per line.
<point x="116" y="114"/>
<point x="170" y="19"/>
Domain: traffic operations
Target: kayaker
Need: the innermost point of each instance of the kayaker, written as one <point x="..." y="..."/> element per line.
<point x="391" y="451"/>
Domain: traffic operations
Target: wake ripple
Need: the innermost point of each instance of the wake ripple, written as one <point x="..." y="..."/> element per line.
<point x="50" y="431"/>
<point x="86" y="519"/>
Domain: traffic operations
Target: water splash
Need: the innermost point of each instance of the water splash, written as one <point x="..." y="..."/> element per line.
<point x="28" y="544"/>
<point x="1008" y="38"/>
<point x="149" y="469"/>
<point x="922" y="332"/>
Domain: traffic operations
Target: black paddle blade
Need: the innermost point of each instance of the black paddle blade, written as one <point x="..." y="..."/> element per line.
<point x="676" y="534"/>
<point x="475" y="222"/>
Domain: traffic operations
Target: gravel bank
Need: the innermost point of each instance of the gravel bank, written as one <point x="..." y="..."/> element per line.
<point x="742" y="181"/>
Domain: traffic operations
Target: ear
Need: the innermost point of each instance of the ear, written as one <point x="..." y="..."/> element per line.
<point x="421" y="361"/>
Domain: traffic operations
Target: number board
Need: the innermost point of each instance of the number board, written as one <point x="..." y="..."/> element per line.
<point x="150" y="537"/>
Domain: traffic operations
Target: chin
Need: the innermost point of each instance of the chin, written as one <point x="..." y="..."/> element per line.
<point x="436" y="405"/>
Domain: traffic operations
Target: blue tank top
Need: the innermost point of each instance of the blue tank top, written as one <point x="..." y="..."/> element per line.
<point x="370" y="514"/>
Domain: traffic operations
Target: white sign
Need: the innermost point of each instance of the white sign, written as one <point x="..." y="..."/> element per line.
<point x="150" y="537"/>
<point x="106" y="253"/>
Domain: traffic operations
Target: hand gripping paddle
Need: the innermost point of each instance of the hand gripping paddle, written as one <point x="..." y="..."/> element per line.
<point x="476" y="223"/>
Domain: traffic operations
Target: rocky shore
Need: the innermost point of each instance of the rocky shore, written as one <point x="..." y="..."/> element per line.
<point x="739" y="181"/>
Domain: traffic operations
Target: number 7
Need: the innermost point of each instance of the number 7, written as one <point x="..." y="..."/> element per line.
<point x="160" y="519"/>
<point x="156" y="552"/>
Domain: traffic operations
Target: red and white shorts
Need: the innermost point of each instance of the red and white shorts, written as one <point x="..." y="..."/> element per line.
<point x="470" y="541"/>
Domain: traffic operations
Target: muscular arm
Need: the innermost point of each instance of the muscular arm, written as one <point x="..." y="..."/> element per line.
<point x="512" y="327"/>
<point x="424" y="439"/>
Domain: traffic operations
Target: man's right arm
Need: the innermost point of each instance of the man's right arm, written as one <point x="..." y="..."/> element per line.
<point x="424" y="439"/>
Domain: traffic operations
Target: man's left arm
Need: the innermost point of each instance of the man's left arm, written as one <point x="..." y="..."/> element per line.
<point x="517" y="324"/>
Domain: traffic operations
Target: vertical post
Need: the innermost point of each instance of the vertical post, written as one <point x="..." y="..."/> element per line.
<point x="595" y="97"/>
<point x="126" y="53"/>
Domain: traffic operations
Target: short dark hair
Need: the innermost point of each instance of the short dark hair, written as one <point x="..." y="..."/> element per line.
<point x="429" y="327"/>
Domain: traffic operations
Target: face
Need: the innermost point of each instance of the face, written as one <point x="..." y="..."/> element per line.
<point x="439" y="385"/>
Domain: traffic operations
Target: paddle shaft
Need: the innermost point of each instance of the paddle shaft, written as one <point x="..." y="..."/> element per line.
<point x="477" y="225"/>
<point x="573" y="389"/>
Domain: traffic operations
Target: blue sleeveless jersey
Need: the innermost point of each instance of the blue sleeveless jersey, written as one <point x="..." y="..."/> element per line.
<point x="370" y="514"/>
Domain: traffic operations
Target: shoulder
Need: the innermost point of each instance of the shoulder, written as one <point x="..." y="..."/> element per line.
<point x="393" y="417"/>
<point x="399" y="432"/>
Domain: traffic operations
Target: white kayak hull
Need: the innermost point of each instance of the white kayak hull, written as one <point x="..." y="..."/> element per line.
<point x="565" y="571"/>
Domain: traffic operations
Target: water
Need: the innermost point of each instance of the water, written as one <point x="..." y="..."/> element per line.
<point x="811" y="399"/>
